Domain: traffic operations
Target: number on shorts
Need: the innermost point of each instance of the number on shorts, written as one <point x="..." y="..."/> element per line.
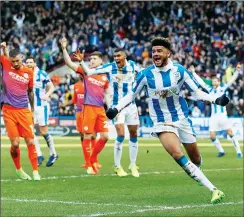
<point x="105" y="124"/>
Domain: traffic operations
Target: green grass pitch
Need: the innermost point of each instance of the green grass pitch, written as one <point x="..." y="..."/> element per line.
<point x="162" y="189"/>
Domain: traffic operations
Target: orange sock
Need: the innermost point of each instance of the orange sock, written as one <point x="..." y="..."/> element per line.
<point x="97" y="149"/>
<point x="93" y="143"/>
<point x="86" y="151"/>
<point x="33" y="156"/>
<point x="15" y="154"/>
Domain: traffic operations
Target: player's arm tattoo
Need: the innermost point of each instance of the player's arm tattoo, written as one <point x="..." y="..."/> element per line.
<point x="31" y="98"/>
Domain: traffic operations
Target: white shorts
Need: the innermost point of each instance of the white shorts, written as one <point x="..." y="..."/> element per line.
<point x="218" y="122"/>
<point x="41" y="115"/>
<point x="183" y="129"/>
<point x="128" y="116"/>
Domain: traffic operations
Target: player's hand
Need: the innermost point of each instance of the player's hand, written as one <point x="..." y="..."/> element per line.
<point x="111" y="113"/>
<point x="63" y="42"/>
<point x="44" y="97"/>
<point x="222" y="101"/>
<point x="78" y="55"/>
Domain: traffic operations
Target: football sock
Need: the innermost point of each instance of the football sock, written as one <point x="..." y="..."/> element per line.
<point x="86" y="150"/>
<point x="97" y="149"/>
<point x="37" y="144"/>
<point x="15" y="154"/>
<point x="93" y="142"/>
<point x="218" y="145"/>
<point x="50" y="144"/>
<point x="33" y="156"/>
<point x="133" y="149"/>
<point x="118" y="150"/>
<point x="236" y="144"/>
<point x="194" y="172"/>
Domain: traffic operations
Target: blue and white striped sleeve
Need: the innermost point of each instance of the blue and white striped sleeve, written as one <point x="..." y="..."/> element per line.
<point x="189" y="82"/>
<point x="105" y="68"/>
<point x="138" y="84"/>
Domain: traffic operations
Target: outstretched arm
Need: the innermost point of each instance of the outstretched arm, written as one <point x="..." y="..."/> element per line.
<point x="200" y="95"/>
<point x="139" y="83"/>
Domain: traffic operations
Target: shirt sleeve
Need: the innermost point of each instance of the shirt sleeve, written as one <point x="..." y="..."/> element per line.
<point x="4" y="60"/>
<point x="106" y="68"/>
<point x="189" y="82"/>
<point x="80" y="70"/>
<point x="138" y="84"/>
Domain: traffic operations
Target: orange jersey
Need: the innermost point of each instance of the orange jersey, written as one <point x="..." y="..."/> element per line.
<point x="16" y="83"/>
<point x="78" y="97"/>
<point x="95" y="87"/>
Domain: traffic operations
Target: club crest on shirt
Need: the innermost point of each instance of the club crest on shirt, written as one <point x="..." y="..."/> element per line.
<point x="26" y="75"/>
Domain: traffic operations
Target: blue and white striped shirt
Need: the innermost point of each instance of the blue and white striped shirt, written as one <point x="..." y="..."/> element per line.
<point x="121" y="79"/>
<point x="219" y="91"/>
<point x="164" y="85"/>
<point x="41" y="78"/>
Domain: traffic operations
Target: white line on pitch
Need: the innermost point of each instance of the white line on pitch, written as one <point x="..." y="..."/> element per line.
<point x="143" y="173"/>
<point x="162" y="208"/>
<point x="149" y="208"/>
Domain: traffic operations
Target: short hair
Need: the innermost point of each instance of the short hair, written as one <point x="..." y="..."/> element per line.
<point x="14" y="52"/>
<point x="30" y="57"/>
<point x="215" y="77"/>
<point x="96" y="53"/>
<point x="119" y="50"/>
<point x="160" y="41"/>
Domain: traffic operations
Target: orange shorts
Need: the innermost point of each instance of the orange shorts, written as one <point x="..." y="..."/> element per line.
<point x="18" y="121"/>
<point x="94" y="119"/>
<point x="79" y="118"/>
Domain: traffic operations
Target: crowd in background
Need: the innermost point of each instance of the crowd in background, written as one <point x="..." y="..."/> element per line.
<point x="206" y="35"/>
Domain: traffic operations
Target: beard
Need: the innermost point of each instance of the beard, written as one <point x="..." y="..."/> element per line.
<point x="164" y="62"/>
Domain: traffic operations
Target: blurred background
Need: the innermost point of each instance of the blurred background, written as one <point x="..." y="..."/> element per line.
<point x="207" y="37"/>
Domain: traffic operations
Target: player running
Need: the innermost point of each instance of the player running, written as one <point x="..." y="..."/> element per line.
<point x="16" y="95"/>
<point x="78" y="100"/>
<point x="122" y="75"/>
<point x="94" y="117"/>
<point x="219" y="119"/>
<point x="169" y="111"/>
<point x="43" y="88"/>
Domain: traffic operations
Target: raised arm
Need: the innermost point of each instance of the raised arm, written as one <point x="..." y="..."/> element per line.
<point x="235" y="76"/>
<point x="67" y="58"/>
<point x="4" y="49"/>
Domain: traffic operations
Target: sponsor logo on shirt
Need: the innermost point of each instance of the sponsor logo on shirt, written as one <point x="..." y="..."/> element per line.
<point x="19" y="78"/>
<point x="96" y="82"/>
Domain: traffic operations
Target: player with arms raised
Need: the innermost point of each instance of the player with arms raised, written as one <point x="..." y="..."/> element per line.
<point x="169" y="111"/>
<point x="16" y="95"/>
<point x="93" y="114"/>
<point x="219" y="120"/>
